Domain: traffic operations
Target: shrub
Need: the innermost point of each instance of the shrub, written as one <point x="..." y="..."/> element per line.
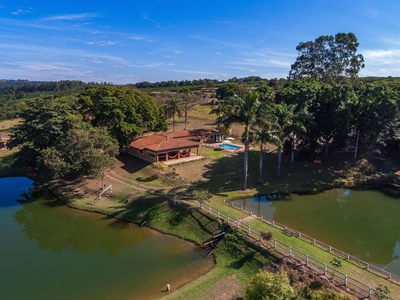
<point x="159" y="166"/>
<point x="268" y="286"/>
<point x="266" y="235"/>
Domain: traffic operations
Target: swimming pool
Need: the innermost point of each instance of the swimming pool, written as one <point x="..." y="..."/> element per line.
<point x="230" y="146"/>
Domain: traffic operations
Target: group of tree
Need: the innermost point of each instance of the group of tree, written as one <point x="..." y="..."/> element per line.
<point x="321" y="104"/>
<point x="74" y="136"/>
<point x="178" y="103"/>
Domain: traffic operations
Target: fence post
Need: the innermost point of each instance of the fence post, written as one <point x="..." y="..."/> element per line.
<point x="273" y="223"/>
<point x="367" y="266"/>
<point x="248" y="230"/>
<point x="313" y="242"/>
<point x="325" y="268"/>
<point x="290" y="251"/>
<point x="238" y="223"/>
<point x="201" y="205"/>
<point x="306" y="260"/>
<point x="209" y="208"/>
<point x="369" y="292"/>
<point x="218" y="214"/>
<point x="345" y="280"/>
<point x="274" y="243"/>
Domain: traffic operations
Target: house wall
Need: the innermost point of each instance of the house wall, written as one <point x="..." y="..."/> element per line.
<point x="145" y="155"/>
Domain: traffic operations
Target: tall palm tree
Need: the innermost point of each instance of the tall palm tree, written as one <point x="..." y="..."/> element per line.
<point x="262" y="135"/>
<point x="285" y="117"/>
<point x="288" y="125"/>
<point x="174" y="106"/>
<point x="295" y="129"/>
<point x="246" y="111"/>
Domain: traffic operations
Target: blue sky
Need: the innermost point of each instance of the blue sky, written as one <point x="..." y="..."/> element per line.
<point x="150" y="40"/>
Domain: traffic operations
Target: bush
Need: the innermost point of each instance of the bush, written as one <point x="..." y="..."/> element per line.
<point x="266" y="235"/>
<point x="268" y="286"/>
<point x="159" y="166"/>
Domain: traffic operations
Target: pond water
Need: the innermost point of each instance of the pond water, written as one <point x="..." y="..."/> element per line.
<point x="364" y="224"/>
<point x="49" y="251"/>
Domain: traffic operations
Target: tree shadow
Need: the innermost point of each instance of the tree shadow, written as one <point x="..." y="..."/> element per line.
<point x="131" y="164"/>
<point x="242" y="261"/>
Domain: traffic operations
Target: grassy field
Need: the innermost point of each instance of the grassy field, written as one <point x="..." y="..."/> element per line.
<point x="138" y="196"/>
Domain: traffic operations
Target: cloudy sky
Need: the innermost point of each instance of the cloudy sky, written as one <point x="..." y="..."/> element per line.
<point x="155" y="40"/>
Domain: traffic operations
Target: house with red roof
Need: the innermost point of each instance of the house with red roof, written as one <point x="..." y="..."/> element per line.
<point x="160" y="147"/>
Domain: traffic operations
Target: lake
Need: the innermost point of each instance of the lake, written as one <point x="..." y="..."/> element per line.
<point x="50" y="251"/>
<point x="362" y="223"/>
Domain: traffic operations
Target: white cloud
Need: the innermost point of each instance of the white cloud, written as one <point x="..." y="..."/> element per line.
<point x="102" y="43"/>
<point x="21" y="11"/>
<point x="145" y="17"/>
<point x="71" y="17"/>
<point x="382" y="57"/>
<point x="153" y="65"/>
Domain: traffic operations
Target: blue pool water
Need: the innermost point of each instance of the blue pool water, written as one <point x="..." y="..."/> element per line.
<point x="230" y="146"/>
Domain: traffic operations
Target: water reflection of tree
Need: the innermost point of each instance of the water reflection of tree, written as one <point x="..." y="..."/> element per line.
<point x="58" y="228"/>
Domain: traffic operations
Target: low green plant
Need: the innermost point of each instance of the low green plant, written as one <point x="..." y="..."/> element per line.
<point x="159" y="166"/>
<point x="269" y="286"/>
<point x="382" y="292"/>
<point x="266" y="235"/>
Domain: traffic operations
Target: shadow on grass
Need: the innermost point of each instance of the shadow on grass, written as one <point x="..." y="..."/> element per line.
<point x="242" y="261"/>
<point x="226" y="174"/>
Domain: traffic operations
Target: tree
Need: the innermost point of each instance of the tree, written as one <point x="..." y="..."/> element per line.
<point x="125" y="112"/>
<point x="246" y="111"/>
<point x="328" y="58"/>
<point x="174" y="107"/>
<point x="332" y="114"/>
<point x="268" y="286"/>
<point x="176" y="183"/>
<point x="45" y="122"/>
<point x="57" y="142"/>
<point x="201" y="195"/>
<point x="293" y="130"/>
<point x="228" y="90"/>
<point x="262" y="135"/>
<point x="284" y="126"/>
<point x="376" y="113"/>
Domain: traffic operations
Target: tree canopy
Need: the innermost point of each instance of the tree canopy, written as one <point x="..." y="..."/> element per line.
<point x="55" y="141"/>
<point x="328" y="58"/>
<point x="125" y="112"/>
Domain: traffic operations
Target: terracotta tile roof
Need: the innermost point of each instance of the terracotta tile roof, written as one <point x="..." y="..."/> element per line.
<point x="164" y="142"/>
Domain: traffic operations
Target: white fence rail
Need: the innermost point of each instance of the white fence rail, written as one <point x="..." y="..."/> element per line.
<point x="326" y="247"/>
<point x="286" y="250"/>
